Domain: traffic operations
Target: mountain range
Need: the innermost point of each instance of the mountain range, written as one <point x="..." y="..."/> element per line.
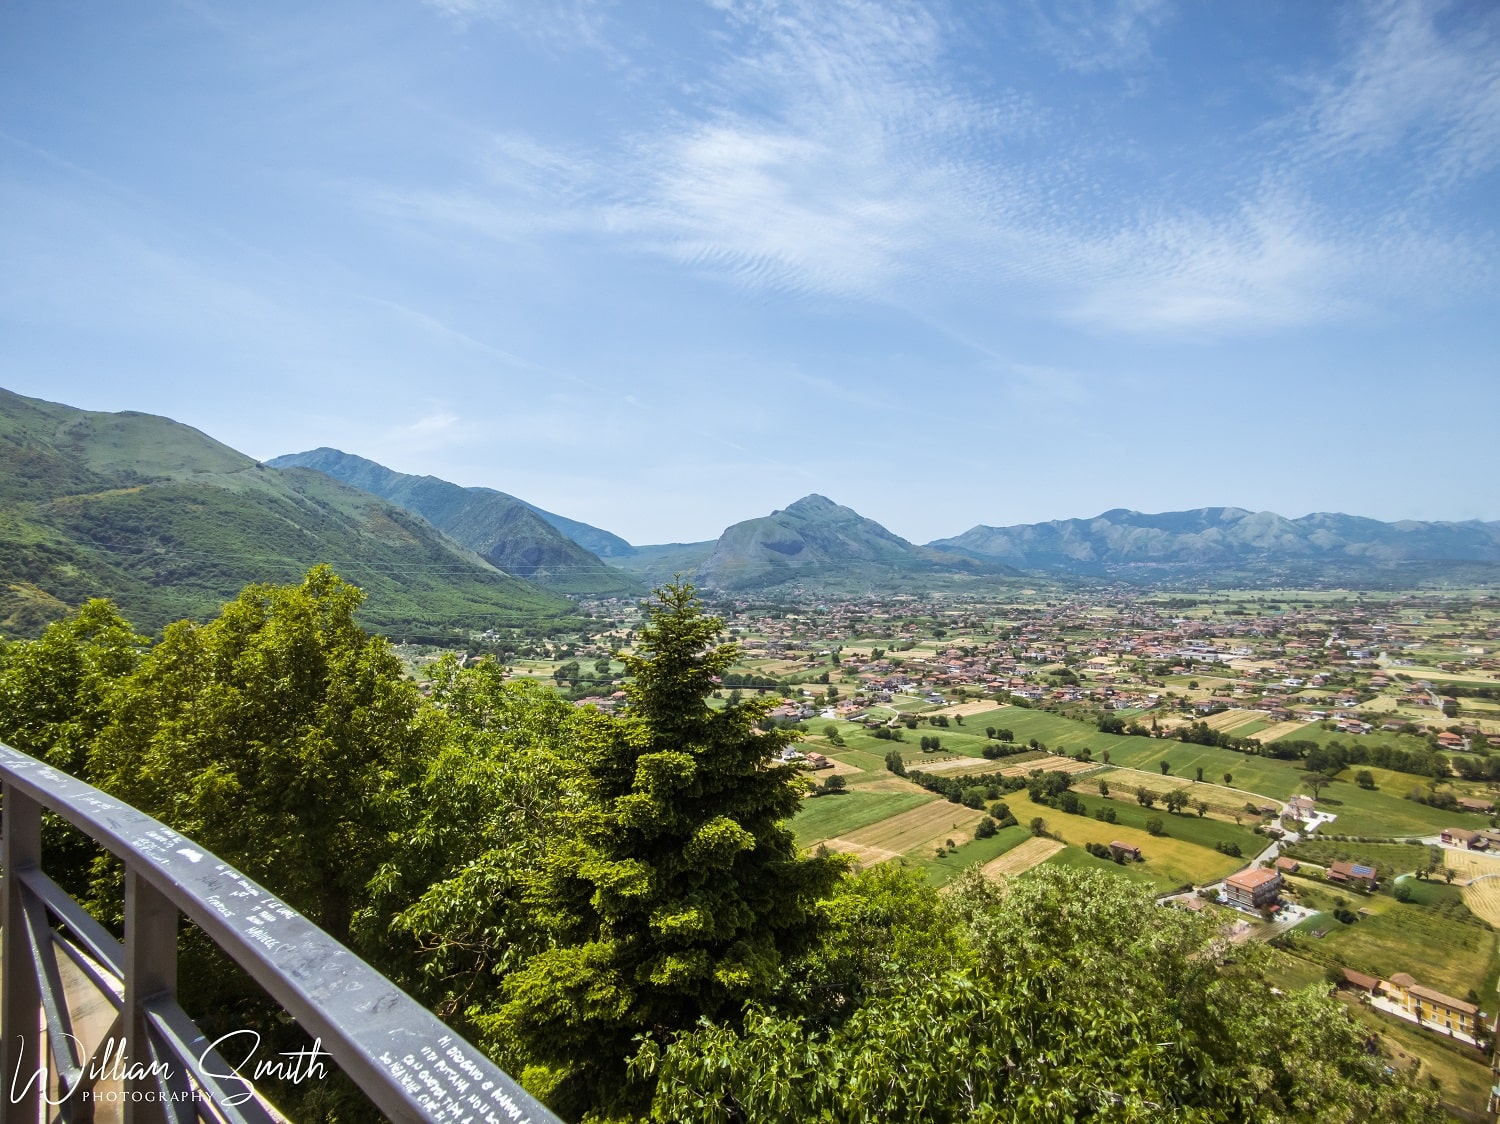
<point x="1231" y="540"/>
<point x="169" y="522"/>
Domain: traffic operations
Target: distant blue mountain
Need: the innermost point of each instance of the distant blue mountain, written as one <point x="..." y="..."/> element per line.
<point x="1212" y="538"/>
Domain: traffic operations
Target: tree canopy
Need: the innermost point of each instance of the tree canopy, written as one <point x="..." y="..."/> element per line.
<point x="1058" y="1004"/>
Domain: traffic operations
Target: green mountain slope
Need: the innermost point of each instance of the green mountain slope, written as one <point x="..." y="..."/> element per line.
<point x="501" y="529"/>
<point x="816" y="540"/>
<point x="592" y="539"/>
<point x="170" y="523"/>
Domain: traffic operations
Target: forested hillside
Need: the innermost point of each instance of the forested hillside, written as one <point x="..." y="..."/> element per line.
<point x="504" y="531"/>
<point x="168" y="522"/>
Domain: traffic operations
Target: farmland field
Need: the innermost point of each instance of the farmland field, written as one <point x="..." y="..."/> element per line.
<point x="1217" y="797"/>
<point x="1281" y="730"/>
<point x="1483" y="899"/>
<point x="1024" y="856"/>
<point x="1236" y="721"/>
<point x="927" y="824"/>
<point x="828" y="816"/>
<point x="1470" y="864"/>
<point x="1265" y="775"/>
<point x="1171" y="860"/>
<point x="1049" y="764"/>
<point x="940" y="871"/>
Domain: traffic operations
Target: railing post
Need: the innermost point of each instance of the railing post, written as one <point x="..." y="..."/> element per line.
<point x="20" y="994"/>
<point x="150" y="973"/>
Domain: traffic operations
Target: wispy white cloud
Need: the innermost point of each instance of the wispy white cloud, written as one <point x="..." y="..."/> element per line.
<point x="1407" y="83"/>
<point x="832" y="150"/>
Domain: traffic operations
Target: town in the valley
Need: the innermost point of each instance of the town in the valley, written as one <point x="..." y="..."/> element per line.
<point x="1319" y="769"/>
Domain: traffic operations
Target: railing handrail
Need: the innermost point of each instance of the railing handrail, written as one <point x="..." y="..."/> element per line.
<point x="410" y="1065"/>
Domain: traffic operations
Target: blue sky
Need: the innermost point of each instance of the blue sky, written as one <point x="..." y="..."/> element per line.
<point x="665" y="266"/>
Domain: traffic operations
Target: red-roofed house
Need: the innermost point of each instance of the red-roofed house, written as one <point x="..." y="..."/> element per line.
<point x="1255" y="888"/>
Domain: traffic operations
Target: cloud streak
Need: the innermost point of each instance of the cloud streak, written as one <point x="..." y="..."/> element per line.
<point x="833" y="151"/>
<point x="1407" y="86"/>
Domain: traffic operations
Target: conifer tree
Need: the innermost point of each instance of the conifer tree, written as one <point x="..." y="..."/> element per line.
<point x="681" y="894"/>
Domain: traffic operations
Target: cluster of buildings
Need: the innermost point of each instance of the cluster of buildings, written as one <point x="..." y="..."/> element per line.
<point x="1486" y="839"/>
<point x="1402" y="995"/>
<point x="1258" y="889"/>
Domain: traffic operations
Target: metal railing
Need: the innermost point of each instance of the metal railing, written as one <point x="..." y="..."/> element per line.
<point x="409" y="1065"/>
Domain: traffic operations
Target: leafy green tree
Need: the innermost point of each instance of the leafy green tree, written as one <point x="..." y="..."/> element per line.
<point x="54" y="691"/>
<point x="55" y="698"/>
<point x="495" y="797"/>
<point x="288" y="741"/>
<point x="1228" y="778"/>
<point x="1165" y="768"/>
<point x="1154" y="825"/>
<point x="1145" y="797"/>
<point x="280" y="735"/>
<point x="1364" y="778"/>
<point x="680" y="894"/>
<point x="1176" y="800"/>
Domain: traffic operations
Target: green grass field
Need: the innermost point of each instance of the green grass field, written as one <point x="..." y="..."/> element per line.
<point x="1264" y="775"/>
<point x="940" y="871"/>
<point x="1314" y="732"/>
<point x="1077" y="858"/>
<point x="1188" y="826"/>
<point x="1385" y="810"/>
<point x="828" y="817"/>
<point x="1443" y="945"/>
<point x="955" y="739"/>
<point x="1061" y="734"/>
